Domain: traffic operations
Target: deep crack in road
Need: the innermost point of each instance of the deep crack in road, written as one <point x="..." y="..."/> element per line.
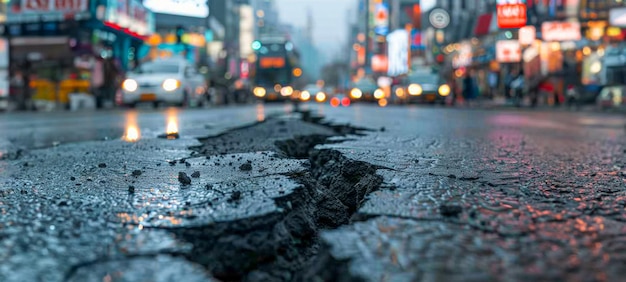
<point x="432" y="194"/>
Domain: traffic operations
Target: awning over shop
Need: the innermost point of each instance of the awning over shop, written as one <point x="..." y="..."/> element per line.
<point x="41" y="48"/>
<point x="483" y="24"/>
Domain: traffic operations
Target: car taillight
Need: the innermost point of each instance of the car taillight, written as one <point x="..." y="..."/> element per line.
<point x="345" y="102"/>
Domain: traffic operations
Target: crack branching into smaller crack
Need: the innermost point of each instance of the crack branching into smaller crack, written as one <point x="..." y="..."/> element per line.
<point x="281" y="246"/>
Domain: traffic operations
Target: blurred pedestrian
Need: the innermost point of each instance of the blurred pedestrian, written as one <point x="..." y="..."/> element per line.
<point x="492" y="81"/>
<point x="517" y="89"/>
<point x="97" y="82"/>
<point x="25" y="97"/>
<point x="112" y="77"/>
<point x="572" y="97"/>
<point x="508" y="78"/>
<point x="469" y="88"/>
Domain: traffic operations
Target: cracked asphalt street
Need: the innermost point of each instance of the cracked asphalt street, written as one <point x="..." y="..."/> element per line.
<point x="258" y="193"/>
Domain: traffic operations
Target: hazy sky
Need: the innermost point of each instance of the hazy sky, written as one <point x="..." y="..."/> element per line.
<point x="329" y="19"/>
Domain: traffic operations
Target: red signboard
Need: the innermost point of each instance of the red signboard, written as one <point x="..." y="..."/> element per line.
<point x="511" y="15"/>
<point x="54" y="5"/>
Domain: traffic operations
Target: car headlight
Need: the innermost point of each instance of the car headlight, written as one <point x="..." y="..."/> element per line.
<point x="356" y="93"/>
<point x="320" y="97"/>
<point x="444" y="90"/>
<point x="415" y="89"/>
<point x="305" y="95"/>
<point x="170" y="84"/>
<point x="379" y="94"/>
<point x="286" y="91"/>
<point x="259" y="92"/>
<point x="130" y="85"/>
<point x="400" y="92"/>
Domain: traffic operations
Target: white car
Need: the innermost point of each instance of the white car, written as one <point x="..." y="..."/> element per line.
<point x="171" y="81"/>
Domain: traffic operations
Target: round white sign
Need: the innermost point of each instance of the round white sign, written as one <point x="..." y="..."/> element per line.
<point x="439" y="18"/>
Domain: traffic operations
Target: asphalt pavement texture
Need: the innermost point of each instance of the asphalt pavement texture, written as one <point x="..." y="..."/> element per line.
<point x="262" y="193"/>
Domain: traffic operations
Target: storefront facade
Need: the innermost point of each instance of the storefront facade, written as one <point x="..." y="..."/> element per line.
<point x="54" y="48"/>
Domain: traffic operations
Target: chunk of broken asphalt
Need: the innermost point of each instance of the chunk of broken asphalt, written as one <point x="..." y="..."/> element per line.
<point x="450" y="209"/>
<point x="183" y="178"/>
<point x="195" y="174"/>
<point x="235" y="196"/>
<point x="246" y="167"/>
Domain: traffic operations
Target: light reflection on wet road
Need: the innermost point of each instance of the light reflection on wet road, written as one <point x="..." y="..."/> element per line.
<point x="40" y="130"/>
<point x="484" y="195"/>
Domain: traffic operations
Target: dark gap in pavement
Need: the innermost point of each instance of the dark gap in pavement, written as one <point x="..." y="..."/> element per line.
<point x="281" y="246"/>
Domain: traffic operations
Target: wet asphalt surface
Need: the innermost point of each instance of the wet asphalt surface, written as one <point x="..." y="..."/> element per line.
<point x="425" y="194"/>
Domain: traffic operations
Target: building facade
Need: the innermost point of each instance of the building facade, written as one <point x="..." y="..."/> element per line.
<point x="54" y="46"/>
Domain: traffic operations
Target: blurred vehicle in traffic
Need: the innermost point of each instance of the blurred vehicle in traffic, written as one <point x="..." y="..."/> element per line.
<point x="611" y="97"/>
<point x="365" y="89"/>
<point x="421" y="87"/>
<point x="313" y="92"/>
<point x="170" y="81"/>
<point x="340" y="100"/>
<point x="275" y="76"/>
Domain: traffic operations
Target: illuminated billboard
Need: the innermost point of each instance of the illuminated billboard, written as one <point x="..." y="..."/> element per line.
<point x="508" y="51"/>
<point x="398" y="52"/>
<point x="187" y="8"/>
<point x="511" y="15"/>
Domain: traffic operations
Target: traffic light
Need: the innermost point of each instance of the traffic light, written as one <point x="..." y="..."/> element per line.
<point x="256" y="45"/>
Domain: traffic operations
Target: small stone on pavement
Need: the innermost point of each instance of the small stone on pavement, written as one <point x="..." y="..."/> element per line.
<point x="183" y="178"/>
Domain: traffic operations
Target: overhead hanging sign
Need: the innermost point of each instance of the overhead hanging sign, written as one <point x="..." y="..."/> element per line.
<point x="398" y="52"/>
<point x="508" y="51"/>
<point x="527" y="35"/>
<point x="381" y="19"/>
<point x="39" y="6"/>
<point x="617" y="17"/>
<point x="187" y="8"/>
<point x="511" y="15"/>
<point x="560" y="31"/>
<point x="439" y="18"/>
<point x="379" y="63"/>
<point x="416" y="40"/>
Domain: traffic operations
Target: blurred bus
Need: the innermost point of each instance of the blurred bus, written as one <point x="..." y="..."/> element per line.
<point x="276" y="70"/>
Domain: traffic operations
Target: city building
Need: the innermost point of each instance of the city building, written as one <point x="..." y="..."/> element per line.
<point x="225" y="48"/>
<point x="55" y="45"/>
<point x="561" y="43"/>
<point x="266" y="17"/>
<point x="180" y="31"/>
